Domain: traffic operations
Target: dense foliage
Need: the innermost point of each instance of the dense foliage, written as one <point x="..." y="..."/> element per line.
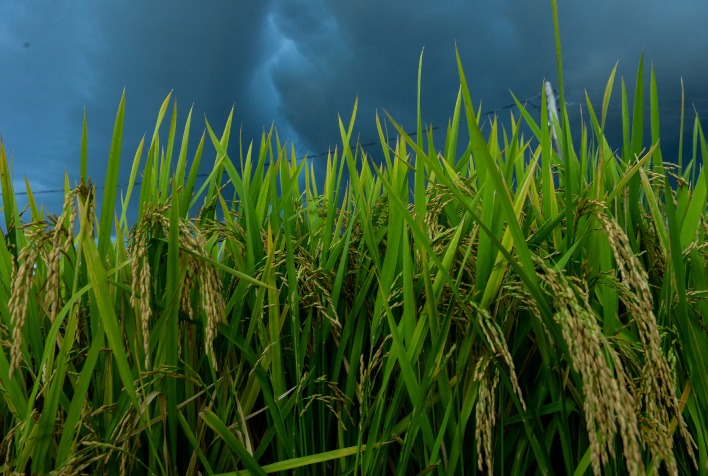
<point x="516" y="306"/>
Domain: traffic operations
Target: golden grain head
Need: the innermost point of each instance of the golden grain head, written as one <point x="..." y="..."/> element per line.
<point x="608" y="403"/>
<point x="485" y="415"/>
<point x="657" y="386"/>
<point x="19" y="299"/>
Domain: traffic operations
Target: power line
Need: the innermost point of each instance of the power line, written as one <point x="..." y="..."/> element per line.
<point x="527" y="100"/>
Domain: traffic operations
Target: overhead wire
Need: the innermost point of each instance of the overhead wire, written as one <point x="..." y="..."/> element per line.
<point x="526" y="100"/>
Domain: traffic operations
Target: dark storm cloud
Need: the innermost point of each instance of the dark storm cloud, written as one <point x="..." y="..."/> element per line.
<point x="371" y="49"/>
<point x="300" y="63"/>
<point x="84" y="56"/>
<point x="41" y="87"/>
<point x="373" y="53"/>
<point x="208" y="56"/>
<point x="598" y="35"/>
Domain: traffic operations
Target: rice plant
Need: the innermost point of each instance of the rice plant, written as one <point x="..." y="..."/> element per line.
<point x="510" y="306"/>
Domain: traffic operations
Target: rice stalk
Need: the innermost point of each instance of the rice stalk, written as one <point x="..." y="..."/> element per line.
<point x="657" y="395"/>
<point x="153" y="224"/>
<point x="608" y="404"/>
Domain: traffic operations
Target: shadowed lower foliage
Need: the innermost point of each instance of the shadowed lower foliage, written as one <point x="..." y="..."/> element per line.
<point x="516" y="307"/>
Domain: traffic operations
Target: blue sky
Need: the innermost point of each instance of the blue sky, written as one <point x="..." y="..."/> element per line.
<point x="300" y="63"/>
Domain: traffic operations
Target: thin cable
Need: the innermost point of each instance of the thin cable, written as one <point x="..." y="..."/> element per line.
<point x="527" y="100"/>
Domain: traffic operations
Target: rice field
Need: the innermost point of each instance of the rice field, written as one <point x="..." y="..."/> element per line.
<point x="495" y="304"/>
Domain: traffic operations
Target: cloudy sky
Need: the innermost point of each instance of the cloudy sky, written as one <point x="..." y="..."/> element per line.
<point x="300" y="63"/>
